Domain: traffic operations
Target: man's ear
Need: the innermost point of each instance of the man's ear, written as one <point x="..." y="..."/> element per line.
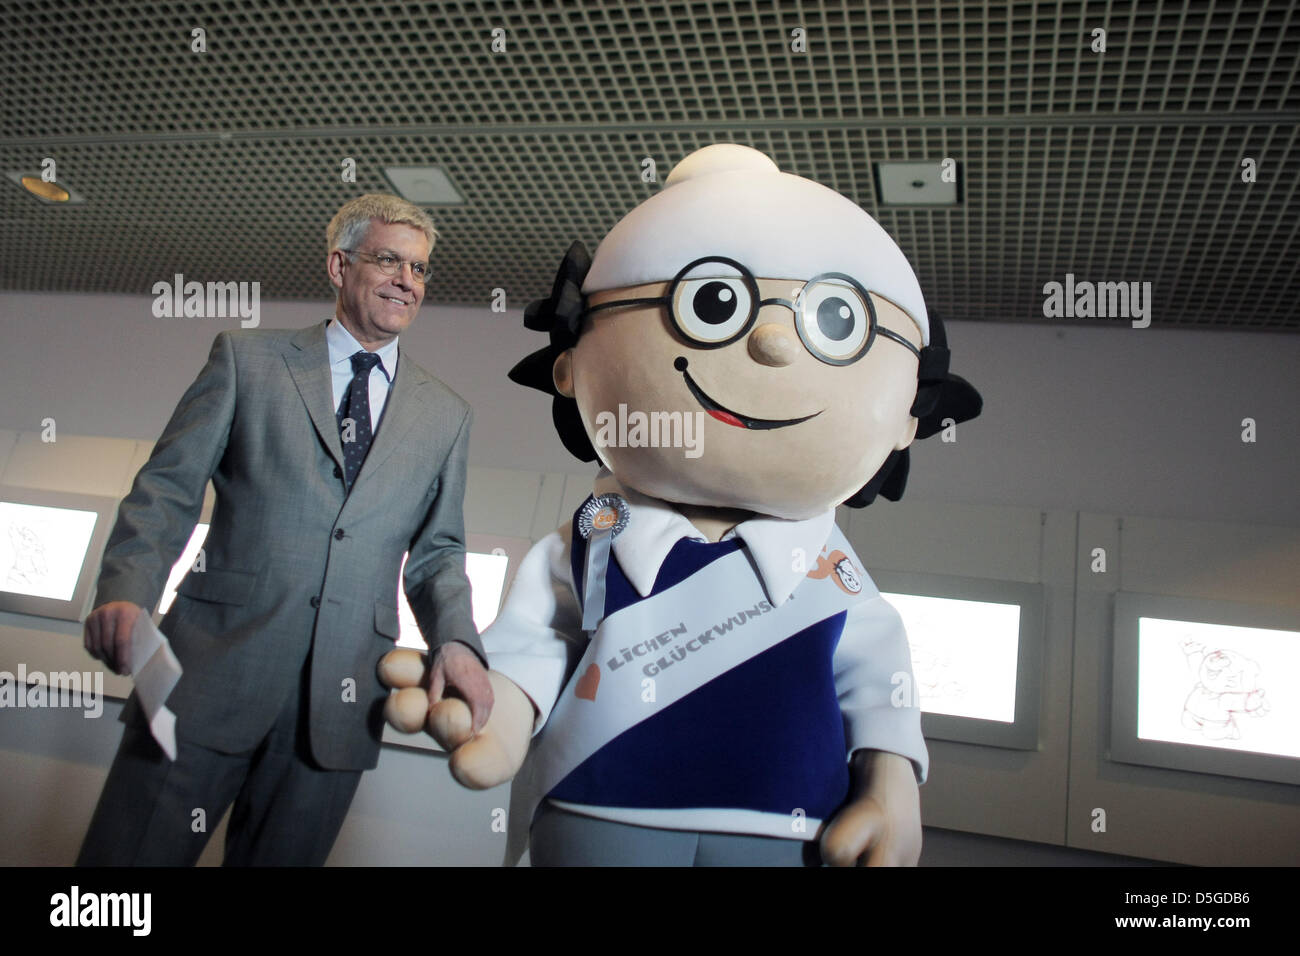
<point x="334" y="266"/>
<point x="562" y="375"/>
<point x="909" y="435"/>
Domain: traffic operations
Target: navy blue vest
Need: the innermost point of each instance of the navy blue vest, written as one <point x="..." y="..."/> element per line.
<point x="766" y="735"/>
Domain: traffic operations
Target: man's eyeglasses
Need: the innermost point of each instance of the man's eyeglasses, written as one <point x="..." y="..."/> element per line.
<point x="833" y="313"/>
<point x="390" y="265"/>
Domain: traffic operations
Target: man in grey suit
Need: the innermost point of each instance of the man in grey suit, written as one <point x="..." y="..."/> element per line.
<point x="329" y="461"/>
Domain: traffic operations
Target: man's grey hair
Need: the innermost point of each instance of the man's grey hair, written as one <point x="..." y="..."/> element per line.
<point x="348" y="228"/>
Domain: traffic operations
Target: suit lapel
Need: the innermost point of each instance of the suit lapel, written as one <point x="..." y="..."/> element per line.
<point x="308" y="358"/>
<point x="407" y="403"/>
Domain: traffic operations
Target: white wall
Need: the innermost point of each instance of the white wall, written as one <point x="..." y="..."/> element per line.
<point x="1082" y="417"/>
<point x="1083" y="420"/>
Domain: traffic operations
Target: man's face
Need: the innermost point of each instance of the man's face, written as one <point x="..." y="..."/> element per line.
<point x="784" y="433"/>
<point x="372" y="306"/>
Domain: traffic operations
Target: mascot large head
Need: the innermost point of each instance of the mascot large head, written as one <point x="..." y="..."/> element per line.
<point x="761" y="318"/>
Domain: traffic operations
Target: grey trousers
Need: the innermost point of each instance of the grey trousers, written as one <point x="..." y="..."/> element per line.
<point x="562" y="838"/>
<point x="287" y="810"/>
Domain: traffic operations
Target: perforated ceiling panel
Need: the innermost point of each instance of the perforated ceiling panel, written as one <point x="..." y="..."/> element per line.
<point x="1122" y="166"/>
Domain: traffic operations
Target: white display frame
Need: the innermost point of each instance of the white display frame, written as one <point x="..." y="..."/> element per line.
<point x="75" y="608"/>
<point x="1125" y="744"/>
<point x="1023" y="732"/>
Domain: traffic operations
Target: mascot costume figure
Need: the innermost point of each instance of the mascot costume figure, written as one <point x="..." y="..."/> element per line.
<point x="697" y="668"/>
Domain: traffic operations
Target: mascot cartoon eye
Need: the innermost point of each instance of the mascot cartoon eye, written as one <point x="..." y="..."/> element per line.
<point x="835" y="318"/>
<point x="835" y="322"/>
<point x="712" y="309"/>
<point x="713" y="301"/>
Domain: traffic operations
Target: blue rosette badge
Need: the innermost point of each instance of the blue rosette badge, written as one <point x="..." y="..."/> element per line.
<point x="600" y="521"/>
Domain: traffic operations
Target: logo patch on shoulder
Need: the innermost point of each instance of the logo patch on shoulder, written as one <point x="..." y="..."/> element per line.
<point x="839" y="569"/>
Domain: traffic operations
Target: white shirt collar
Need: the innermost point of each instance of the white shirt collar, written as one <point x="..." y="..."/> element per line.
<point x="774" y="544"/>
<point x="343" y="346"/>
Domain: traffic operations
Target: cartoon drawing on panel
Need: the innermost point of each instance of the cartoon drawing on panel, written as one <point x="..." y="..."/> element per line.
<point x="933" y="671"/>
<point x="1227" y="686"/>
<point x="29" y="568"/>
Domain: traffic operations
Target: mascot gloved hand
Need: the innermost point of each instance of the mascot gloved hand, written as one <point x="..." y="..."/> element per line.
<point x="705" y="669"/>
<point x="479" y="761"/>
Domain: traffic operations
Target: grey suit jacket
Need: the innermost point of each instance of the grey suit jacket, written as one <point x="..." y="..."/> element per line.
<point x="295" y="569"/>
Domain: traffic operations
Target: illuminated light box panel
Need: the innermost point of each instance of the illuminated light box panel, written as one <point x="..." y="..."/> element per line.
<point x="490" y="563"/>
<point x="1206" y="686"/>
<point x="977" y="651"/>
<point x="50" y="546"/>
<point x="183" y="565"/>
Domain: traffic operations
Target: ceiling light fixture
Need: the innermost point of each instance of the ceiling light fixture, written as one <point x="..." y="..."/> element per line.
<point x="423" y="185"/>
<point x="918" y="184"/>
<point x="56" y="194"/>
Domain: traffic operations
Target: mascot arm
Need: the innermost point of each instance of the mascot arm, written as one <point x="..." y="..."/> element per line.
<point x="531" y="647"/>
<point x="876" y="690"/>
<point x="881" y="823"/>
<point x="537" y="639"/>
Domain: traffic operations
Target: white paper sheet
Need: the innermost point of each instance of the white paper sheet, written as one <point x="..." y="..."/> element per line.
<point x="155" y="670"/>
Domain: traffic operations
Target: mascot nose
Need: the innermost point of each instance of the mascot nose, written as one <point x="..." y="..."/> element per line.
<point x="774" y="345"/>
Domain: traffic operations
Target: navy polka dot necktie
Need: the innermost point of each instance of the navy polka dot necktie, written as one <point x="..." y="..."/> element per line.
<point x="354" y="416"/>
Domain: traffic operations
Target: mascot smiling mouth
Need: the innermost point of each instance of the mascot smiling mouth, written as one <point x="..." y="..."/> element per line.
<point x="727" y="415"/>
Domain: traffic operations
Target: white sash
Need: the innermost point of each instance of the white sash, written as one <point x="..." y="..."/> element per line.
<point x="682" y="638"/>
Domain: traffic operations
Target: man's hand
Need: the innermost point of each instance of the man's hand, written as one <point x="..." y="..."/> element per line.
<point x="881" y="824"/>
<point x="457" y="667"/>
<point x="107" y="633"/>
<point x="481" y="757"/>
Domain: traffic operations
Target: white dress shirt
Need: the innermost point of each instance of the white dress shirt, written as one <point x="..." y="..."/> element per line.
<point x="342" y="347"/>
